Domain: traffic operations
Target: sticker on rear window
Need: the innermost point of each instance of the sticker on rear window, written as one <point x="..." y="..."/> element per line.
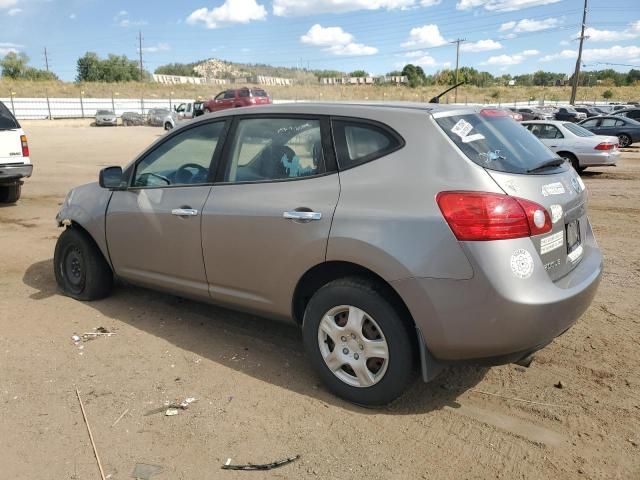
<point x="556" y="213"/>
<point x="555" y="188"/>
<point x="550" y="243"/>
<point x="522" y="263"/>
<point x="472" y="138"/>
<point x="462" y="128"/>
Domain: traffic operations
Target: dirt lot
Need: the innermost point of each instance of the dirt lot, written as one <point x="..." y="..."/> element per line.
<point x="257" y="397"/>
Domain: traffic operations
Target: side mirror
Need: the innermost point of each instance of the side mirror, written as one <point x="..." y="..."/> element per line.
<point x="111" y="178"/>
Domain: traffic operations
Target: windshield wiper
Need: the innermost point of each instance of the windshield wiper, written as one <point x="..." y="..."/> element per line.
<point x="554" y="162"/>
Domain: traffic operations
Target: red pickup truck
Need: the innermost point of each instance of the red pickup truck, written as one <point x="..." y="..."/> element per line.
<point x="241" y="97"/>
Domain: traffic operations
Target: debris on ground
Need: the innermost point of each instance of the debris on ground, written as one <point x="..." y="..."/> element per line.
<point x="120" y="418"/>
<point x="259" y="466"/>
<point x="144" y="471"/>
<point x="560" y="384"/>
<point x="169" y="407"/>
<point x="87" y="336"/>
<point x="171" y="412"/>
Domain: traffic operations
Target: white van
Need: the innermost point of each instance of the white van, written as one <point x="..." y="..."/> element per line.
<point x="14" y="157"/>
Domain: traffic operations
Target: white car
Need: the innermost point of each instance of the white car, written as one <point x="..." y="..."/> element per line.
<point x="575" y="144"/>
<point x="14" y="157"/>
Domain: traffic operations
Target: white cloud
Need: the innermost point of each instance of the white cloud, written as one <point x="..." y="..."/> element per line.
<point x="122" y="13"/>
<point x="14" y="11"/>
<point x="293" y="8"/>
<point x="160" y="47"/>
<point x="72" y="16"/>
<point x="8" y="3"/>
<point x="613" y="35"/>
<point x="612" y="53"/>
<point x="502" y="5"/>
<point x="335" y="40"/>
<point x="564" y="54"/>
<point x="564" y="43"/>
<point x="122" y="20"/>
<point x="528" y="25"/>
<point x="513" y="59"/>
<point x="425" y="37"/>
<point x="480" y="46"/>
<point x="231" y="11"/>
<point x="429" y="3"/>
<point x="6" y="47"/>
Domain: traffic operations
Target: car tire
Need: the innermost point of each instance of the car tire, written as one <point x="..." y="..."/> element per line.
<point x="378" y="328"/>
<point x="168" y="126"/>
<point x="573" y="160"/>
<point x="624" y="140"/>
<point x="80" y="268"/>
<point x="10" y="193"/>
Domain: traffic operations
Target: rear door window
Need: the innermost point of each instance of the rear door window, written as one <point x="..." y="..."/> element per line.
<point x="357" y="143"/>
<point x="7" y="120"/>
<point x="493" y="140"/>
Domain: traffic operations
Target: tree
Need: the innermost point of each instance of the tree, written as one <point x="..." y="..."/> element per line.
<point x="182" y="69"/>
<point x="115" y="68"/>
<point x="414" y="74"/>
<point x="633" y="76"/>
<point x="88" y="67"/>
<point x="14" y="65"/>
<point x="607" y="94"/>
<point x="359" y="73"/>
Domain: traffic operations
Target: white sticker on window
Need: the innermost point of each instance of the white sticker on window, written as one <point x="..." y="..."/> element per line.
<point x="522" y="263"/>
<point x="550" y="243"/>
<point x="553" y="189"/>
<point x="462" y="128"/>
<point x="556" y="213"/>
<point x="472" y="138"/>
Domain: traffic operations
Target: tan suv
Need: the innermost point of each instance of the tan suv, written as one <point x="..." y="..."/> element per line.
<point x="397" y="236"/>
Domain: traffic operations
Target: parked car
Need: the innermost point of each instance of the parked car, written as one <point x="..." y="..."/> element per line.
<point x="633" y="113"/>
<point x="106" y="118"/>
<point x="529" y="113"/>
<point x="513" y="113"/>
<point x="15" y="164"/>
<point x="569" y="114"/>
<point x="626" y="129"/>
<point x="241" y="97"/>
<point x="156" y="116"/>
<point x="281" y="215"/>
<point x="588" y="111"/>
<point x="578" y="146"/>
<point x="132" y="118"/>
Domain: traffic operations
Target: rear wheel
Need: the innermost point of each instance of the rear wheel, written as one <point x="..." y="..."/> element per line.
<point x="624" y="140"/>
<point x="358" y="343"/>
<point x="168" y="126"/>
<point x="10" y="193"/>
<point x="573" y="160"/>
<point x="80" y="269"/>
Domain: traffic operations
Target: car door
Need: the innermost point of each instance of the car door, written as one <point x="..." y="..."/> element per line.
<point x="548" y="134"/>
<point x="267" y="220"/>
<point x="153" y="226"/>
<point x="591" y="125"/>
<point x="609" y="126"/>
<point x="225" y="100"/>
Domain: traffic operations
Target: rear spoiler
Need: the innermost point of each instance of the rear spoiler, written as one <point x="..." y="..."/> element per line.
<point x="436" y="99"/>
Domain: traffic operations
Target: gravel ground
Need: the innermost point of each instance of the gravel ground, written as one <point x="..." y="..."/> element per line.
<point x="258" y="400"/>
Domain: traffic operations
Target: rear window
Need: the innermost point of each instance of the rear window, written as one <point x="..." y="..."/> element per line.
<point x="578" y="130"/>
<point x="7" y="120"/>
<point x="358" y="143"/>
<point x="495" y="141"/>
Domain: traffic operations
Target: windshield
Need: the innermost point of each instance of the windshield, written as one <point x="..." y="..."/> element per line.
<point x="495" y="141"/>
<point x="578" y="130"/>
<point x="104" y="112"/>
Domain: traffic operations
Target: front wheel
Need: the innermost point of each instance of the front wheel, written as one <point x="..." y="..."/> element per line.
<point x="168" y="126"/>
<point x="358" y="343"/>
<point x="10" y="193"/>
<point x="80" y="268"/>
<point x="624" y="140"/>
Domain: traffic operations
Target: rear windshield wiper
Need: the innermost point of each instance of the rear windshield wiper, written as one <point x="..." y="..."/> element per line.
<point x="554" y="162"/>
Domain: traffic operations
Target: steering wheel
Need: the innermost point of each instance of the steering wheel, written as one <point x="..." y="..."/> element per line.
<point x="184" y="175"/>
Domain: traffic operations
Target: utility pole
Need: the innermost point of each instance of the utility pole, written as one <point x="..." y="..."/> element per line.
<point x="46" y="59"/>
<point x="140" y="52"/>
<point x="576" y="73"/>
<point x="457" y="42"/>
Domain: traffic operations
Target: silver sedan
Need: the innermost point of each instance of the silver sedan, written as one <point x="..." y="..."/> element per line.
<point x="578" y="145"/>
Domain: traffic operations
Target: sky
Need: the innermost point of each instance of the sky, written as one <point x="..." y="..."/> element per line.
<point x="500" y="36"/>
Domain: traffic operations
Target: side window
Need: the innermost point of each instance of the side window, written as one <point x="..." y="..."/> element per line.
<point x="609" y="122"/>
<point x="243" y="93"/>
<point x="220" y="96"/>
<point x="635" y="114"/>
<point x="180" y="108"/>
<point x="357" y="143"/>
<point x="551" y="131"/>
<point x="590" y="123"/>
<point x="229" y="94"/>
<point x="183" y="159"/>
<point x="267" y="149"/>
<point x="620" y="123"/>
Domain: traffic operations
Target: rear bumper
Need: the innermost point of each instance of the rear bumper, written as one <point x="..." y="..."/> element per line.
<point x="496" y="317"/>
<point x="15" y="172"/>
<point x="599" y="159"/>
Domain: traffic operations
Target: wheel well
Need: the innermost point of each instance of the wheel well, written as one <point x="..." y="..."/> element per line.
<point x="326" y="272"/>
<point x="568" y="154"/>
<point x="77" y="226"/>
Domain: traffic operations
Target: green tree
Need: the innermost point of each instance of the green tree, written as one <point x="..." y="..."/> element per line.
<point x="88" y="67"/>
<point x="14" y="65"/>
<point x="633" y="76"/>
<point x="359" y="73"/>
<point x="607" y="94"/>
<point x="115" y="68"/>
<point x="414" y="74"/>
<point x="182" y="69"/>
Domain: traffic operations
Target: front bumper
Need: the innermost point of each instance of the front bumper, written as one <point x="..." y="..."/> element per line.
<point x="15" y="172"/>
<point x="496" y="317"/>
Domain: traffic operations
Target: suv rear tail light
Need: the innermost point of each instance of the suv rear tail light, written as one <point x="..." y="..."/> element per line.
<point x="606" y="146"/>
<point x="25" y="145"/>
<point x="481" y="216"/>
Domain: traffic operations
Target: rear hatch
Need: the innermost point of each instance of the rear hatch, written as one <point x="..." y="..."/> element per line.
<point x="525" y="168"/>
<point x="10" y="141"/>
<point x="259" y="97"/>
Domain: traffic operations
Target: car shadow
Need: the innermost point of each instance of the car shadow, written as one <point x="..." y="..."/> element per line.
<point x="223" y="336"/>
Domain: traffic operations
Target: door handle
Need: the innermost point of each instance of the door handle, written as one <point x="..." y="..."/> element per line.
<point x="296" y="215"/>
<point x="184" y="212"/>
